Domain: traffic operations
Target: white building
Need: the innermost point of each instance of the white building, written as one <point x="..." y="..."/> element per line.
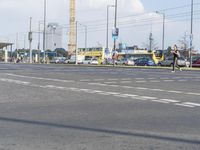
<point x="53" y="36"/>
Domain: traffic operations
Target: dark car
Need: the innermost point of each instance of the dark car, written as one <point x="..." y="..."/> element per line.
<point x="196" y="62"/>
<point x="145" y="61"/>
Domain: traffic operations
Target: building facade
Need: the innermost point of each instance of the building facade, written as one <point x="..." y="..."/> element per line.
<point x="53" y="36"/>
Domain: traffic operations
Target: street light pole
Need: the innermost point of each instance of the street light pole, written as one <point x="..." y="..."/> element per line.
<point x="191" y="33"/>
<point x="30" y="42"/>
<point x="76" y="60"/>
<point x="85" y="33"/>
<point x="108" y="6"/>
<point x="115" y="24"/>
<point x="39" y="23"/>
<point x="163" y="34"/>
<point x="44" y="30"/>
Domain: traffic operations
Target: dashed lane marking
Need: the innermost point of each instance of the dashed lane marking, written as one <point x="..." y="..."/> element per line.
<point x="39" y="78"/>
<point x="184" y="105"/>
<point x="100" y="84"/>
<point x="170" y="100"/>
<point x="160" y="101"/>
<point x="178" y="92"/>
<point x="116" y="94"/>
<point x="193" y="104"/>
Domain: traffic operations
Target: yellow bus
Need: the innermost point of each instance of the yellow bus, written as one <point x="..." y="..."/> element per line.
<point x="93" y="52"/>
<point x="156" y="55"/>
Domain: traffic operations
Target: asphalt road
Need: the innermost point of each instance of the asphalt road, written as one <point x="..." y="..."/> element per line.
<point x="60" y="107"/>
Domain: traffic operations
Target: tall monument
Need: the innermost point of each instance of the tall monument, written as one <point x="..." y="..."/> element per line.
<point x="72" y="28"/>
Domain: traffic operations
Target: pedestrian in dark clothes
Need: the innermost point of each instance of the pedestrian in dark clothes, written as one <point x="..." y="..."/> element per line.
<point x="176" y="55"/>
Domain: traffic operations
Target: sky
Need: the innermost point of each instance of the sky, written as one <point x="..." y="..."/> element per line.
<point x="136" y="19"/>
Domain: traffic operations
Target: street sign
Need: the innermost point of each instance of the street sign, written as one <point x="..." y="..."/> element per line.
<point x="115" y="33"/>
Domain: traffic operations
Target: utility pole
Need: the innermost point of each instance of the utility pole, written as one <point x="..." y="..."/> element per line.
<point x="76" y="48"/>
<point x="44" y="32"/>
<point x="150" y="41"/>
<point x="30" y="38"/>
<point x="191" y="33"/>
<point x="116" y="32"/>
<point x="115" y="24"/>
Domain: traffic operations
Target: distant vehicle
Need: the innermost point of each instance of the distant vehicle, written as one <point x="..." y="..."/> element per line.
<point x="58" y="60"/>
<point x="196" y="62"/>
<point x="145" y="61"/>
<point x="80" y="59"/>
<point x="93" y="61"/>
<point x="125" y="61"/>
<point x="169" y="62"/>
<point x="110" y="61"/>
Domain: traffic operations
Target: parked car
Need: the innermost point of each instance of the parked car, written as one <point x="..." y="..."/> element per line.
<point x="169" y="62"/>
<point x="196" y="62"/>
<point x="93" y="61"/>
<point x="58" y="60"/>
<point x="109" y="61"/>
<point x="124" y="61"/>
<point x="144" y="61"/>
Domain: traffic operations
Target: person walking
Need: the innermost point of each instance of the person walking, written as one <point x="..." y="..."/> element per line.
<point x="176" y="55"/>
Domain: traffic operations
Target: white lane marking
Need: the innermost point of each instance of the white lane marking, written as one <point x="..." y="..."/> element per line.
<point x="193" y="93"/>
<point x="158" y="90"/>
<point x="121" y="95"/>
<point x="132" y="96"/>
<point x="110" y="82"/>
<point x="112" y="79"/>
<point x="148" y="97"/>
<point x="85" y="80"/>
<point x="128" y="87"/>
<point x="193" y="104"/>
<point x="113" y="85"/>
<point x="139" y="78"/>
<point x="139" y="98"/>
<point x="154" y="81"/>
<point x="178" y="92"/>
<point x="113" y="93"/>
<point x="104" y="93"/>
<point x="180" y="104"/>
<point x="141" y="81"/>
<point x="182" y="80"/>
<point x="39" y="78"/>
<point x="125" y="81"/>
<point x="14" y="81"/>
<point x="170" y="100"/>
<point x="168" y="80"/>
<point x="160" y="101"/>
<point x="151" y="78"/>
<point x="141" y="88"/>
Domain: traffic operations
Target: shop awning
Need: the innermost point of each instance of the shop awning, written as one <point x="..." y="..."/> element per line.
<point x="4" y="44"/>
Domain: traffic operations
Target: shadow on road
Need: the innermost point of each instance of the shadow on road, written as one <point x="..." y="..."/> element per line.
<point x="107" y="131"/>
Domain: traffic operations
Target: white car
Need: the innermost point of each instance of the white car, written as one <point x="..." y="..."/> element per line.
<point x="93" y="61"/>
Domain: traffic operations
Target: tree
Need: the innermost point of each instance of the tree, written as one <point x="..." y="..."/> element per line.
<point x="61" y="52"/>
<point x="184" y="42"/>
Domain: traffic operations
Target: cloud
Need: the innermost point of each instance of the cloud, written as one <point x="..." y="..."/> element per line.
<point x="134" y="6"/>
